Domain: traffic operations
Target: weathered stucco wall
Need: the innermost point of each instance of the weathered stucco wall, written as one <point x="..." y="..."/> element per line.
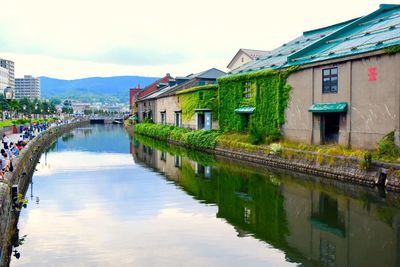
<point x="374" y="108"/>
<point x="373" y="105"/>
<point x="24" y="166"/>
<point x="301" y="98"/>
<point x="168" y="104"/>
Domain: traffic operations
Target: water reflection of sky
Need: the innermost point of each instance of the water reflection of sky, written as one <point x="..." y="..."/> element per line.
<point x="95" y="138"/>
<point x="110" y="212"/>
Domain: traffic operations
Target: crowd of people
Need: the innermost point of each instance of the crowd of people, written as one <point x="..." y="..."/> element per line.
<point x="11" y="150"/>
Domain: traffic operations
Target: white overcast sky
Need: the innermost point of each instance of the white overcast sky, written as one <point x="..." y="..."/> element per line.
<point x="81" y="38"/>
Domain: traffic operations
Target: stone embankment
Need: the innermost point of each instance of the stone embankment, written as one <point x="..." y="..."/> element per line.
<point x="24" y="166"/>
<point x="341" y="168"/>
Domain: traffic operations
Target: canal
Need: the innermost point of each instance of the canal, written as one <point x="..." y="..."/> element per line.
<point x="100" y="197"/>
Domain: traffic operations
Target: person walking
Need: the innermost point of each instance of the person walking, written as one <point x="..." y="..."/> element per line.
<point x="5" y="140"/>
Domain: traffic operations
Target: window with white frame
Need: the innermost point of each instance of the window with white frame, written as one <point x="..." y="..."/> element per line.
<point x="247" y="90"/>
<point x="330" y="80"/>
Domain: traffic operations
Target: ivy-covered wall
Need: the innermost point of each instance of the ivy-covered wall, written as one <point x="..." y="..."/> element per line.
<point x="196" y="98"/>
<point x="269" y="95"/>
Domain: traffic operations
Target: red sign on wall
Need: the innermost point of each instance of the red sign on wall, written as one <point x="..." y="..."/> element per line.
<point x="372" y="73"/>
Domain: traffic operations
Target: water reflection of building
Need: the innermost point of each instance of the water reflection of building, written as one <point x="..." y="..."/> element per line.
<point x="341" y="231"/>
<point x="164" y="162"/>
<point x="312" y="224"/>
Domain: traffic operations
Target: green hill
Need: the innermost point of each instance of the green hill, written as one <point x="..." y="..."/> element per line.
<point x="94" y="89"/>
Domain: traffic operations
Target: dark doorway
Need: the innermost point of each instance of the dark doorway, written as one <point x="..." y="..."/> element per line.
<point x="178" y="116"/>
<point x="201" y="121"/>
<point x="246" y="119"/>
<point x="330" y="128"/>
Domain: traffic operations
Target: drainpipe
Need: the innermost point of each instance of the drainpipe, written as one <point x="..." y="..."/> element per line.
<point x="397" y="100"/>
<point x="312" y="103"/>
<point x="350" y="100"/>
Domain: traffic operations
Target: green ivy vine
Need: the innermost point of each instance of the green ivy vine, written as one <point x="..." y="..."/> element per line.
<point x="392" y="49"/>
<point x="198" y="97"/>
<point x="269" y="95"/>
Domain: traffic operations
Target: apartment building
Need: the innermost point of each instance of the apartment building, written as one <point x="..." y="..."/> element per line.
<point x="28" y="86"/>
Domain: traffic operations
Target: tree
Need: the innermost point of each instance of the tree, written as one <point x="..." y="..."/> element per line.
<point x="67" y="110"/>
<point x="4" y="103"/>
<point x="52" y="108"/>
<point x="14" y="105"/>
<point x="55" y="100"/>
<point x="25" y="105"/>
<point x="45" y="107"/>
<point x="36" y="106"/>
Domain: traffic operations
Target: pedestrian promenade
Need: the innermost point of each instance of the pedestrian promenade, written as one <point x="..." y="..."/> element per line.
<point x="13" y="138"/>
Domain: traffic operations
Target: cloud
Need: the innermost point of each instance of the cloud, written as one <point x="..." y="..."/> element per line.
<point x="39" y="65"/>
<point x="83" y="162"/>
<point x="159" y="34"/>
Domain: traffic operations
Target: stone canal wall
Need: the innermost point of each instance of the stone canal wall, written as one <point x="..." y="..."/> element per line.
<point x="341" y="168"/>
<point x="24" y="166"/>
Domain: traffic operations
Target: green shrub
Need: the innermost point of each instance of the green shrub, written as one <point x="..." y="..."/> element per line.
<point x="256" y="133"/>
<point x="387" y="146"/>
<point x="198" y="139"/>
<point x="366" y="161"/>
<point x="202" y="138"/>
<point x="148" y="120"/>
<point x="200" y="157"/>
<point x="276" y="148"/>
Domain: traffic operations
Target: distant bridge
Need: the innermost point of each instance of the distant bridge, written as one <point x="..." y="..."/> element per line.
<point x="106" y="119"/>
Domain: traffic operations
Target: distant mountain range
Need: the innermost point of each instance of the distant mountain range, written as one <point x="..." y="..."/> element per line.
<point x="94" y="89"/>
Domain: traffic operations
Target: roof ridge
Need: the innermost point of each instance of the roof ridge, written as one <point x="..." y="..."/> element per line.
<point x="344" y="23"/>
<point x="165" y="76"/>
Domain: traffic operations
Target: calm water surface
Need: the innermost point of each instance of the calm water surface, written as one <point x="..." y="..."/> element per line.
<point x="102" y="198"/>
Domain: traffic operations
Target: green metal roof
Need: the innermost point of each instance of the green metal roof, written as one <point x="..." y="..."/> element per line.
<point x="328" y="107"/>
<point x="375" y="31"/>
<point x="245" y="110"/>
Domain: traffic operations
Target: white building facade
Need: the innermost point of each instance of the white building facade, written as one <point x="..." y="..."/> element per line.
<point x="9" y="65"/>
<point x="3" y="79"/>
<point x="28" y="86"/>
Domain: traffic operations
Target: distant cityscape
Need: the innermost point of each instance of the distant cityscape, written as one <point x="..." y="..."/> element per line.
<point x="29" y="87"/>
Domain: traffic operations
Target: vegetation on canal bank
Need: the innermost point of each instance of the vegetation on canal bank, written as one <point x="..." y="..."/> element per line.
<point x="199" y="139"/>
<point x="332" y="155"/>
<point x="387" y="150"/>
<point x="203" y="158"/>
